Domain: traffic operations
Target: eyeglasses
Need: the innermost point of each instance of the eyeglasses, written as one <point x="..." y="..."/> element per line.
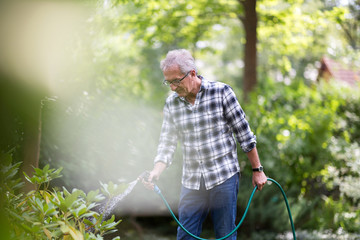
<point x="175" y="82"/>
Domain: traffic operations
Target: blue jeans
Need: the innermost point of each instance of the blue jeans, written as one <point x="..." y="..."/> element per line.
<point x="220" y="201"/>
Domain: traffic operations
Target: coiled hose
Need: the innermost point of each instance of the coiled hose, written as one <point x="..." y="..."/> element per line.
<point x="157" y="190"/>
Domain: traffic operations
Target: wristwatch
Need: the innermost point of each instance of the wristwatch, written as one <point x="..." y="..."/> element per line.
<point x="259" y="169"/>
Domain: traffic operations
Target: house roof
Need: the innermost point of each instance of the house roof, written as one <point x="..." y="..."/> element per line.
<point x="339" y="72"/>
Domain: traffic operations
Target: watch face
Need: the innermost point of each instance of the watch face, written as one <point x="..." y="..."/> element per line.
<point x="261" y="168"/>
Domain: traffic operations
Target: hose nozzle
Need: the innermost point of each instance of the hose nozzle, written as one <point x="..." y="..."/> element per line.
<point x="145" y="176"/>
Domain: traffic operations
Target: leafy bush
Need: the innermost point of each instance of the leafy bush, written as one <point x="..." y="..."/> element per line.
<point x="51" y="214"/>
<point x="308" y="140"/>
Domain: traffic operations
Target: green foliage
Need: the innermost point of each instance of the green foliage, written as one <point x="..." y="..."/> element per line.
<point x="43" y="176"/>
<point x="308" y="141"/>
<point x="172" y="23"/>
<point x="293" y="36"/>
<point x="50" y="214"/>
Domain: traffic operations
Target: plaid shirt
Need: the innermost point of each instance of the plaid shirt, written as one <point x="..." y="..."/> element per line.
<point x="205" y="131"/>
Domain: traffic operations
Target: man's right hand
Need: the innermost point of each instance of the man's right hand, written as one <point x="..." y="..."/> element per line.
<point x="154" y="175"/>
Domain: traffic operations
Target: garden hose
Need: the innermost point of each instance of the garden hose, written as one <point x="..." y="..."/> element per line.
<point x="157" y="190"/>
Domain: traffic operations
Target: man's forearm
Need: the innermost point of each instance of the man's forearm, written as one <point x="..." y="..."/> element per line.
<point x="259" y="178"/>
<point x="254" y="158"/>
<point x="159" y="167"/>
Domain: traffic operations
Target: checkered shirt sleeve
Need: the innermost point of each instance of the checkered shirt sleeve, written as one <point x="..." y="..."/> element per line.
<point x="168" y="139"/>
<point x="236" y="119"/>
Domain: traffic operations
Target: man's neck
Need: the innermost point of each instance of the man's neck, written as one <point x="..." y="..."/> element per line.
<point x="191" y="97"/>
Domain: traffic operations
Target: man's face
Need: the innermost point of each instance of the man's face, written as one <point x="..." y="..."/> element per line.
<point x="183" y="87"/>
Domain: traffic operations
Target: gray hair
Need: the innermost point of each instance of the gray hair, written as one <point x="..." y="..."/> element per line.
<point x="181" y="58"/>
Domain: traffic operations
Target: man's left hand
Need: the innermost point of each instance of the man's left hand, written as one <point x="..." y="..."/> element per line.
<point x="259" y="179"/>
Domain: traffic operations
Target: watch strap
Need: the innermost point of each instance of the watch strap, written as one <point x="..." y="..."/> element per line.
<point x="259" y="169"/>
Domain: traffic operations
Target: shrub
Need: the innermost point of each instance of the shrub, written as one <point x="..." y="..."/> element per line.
<point x="308" y="141"/>
<point x="50" y="214"/>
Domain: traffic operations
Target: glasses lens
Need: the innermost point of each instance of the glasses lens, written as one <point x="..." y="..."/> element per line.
<point x="175" y="82"/>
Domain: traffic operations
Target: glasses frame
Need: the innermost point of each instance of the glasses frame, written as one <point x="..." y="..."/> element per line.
<point x="175" y="82"/>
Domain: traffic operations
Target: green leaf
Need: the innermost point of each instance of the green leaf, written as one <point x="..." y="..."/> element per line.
<point x="88" y="222"/>
<point x="46" y="168"/>
<point x="39" y="204"/>
<point x="86" y="215"/>
<point x="28" y="178"/>
<point x="38" y="172"/>
<point x="50" y="209"/>
<point x="94" y="196"/>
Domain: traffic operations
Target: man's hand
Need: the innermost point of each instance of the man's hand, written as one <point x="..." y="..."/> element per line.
<point x="259" y="179"/>
<point x="154" y="175"/>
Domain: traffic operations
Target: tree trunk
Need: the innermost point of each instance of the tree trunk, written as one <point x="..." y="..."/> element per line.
<point x="249" y="21"/>
<point x="32" y="138"/>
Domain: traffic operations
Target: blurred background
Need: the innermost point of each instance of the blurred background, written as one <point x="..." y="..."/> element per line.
<point x="81" y="89"/>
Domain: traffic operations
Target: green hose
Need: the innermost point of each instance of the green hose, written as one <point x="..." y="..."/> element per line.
<point x="157" y="190"/>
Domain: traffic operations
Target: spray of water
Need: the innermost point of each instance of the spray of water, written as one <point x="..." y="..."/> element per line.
<point x="107" y="208"/>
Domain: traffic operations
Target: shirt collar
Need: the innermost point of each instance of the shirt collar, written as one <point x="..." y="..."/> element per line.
<point x="204" y="83"/>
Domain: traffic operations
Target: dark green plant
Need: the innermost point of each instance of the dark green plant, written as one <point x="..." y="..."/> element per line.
<point x="308" y="140"/>
<point x="50" y="214"/>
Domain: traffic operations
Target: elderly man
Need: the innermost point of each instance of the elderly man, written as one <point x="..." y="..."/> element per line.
<point x="204" y="116"/>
